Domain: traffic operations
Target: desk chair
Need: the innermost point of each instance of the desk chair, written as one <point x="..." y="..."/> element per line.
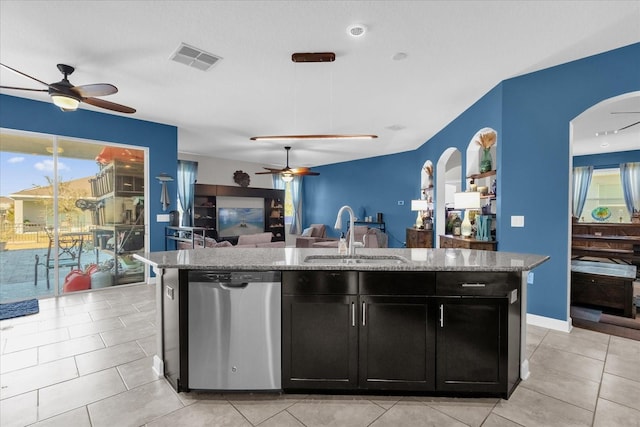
<point x="68" y="251"/>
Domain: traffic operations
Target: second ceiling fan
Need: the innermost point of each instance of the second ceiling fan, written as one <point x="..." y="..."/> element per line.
<point x="288" y="173"/>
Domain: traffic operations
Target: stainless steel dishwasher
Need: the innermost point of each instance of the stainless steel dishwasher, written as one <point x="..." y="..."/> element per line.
<point x="234" y="330"/>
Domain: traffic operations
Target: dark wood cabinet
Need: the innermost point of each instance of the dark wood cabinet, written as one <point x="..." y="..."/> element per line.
<point x="478" y="333"/>
<point x="448" y="332"/>
<point x="469" y="345"/>
<point x="319" y="330"/>
<point x="417" y="238"/>
<point x="375" y="335"/>
<point x="319" y="348"/>
<point x="396" y="343"/>
<point x="456" y="242"/>
<point x="205" y="208"/>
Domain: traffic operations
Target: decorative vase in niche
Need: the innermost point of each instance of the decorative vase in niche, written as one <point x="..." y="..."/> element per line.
<point x="485" y="162"/>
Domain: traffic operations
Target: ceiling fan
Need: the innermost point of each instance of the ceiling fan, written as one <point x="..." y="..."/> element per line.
<point x="626" y="112"/>
<point x="68" y="97"/>
<point x="288" y="173"/>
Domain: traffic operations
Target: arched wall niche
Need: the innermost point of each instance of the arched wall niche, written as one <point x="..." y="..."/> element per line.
<point x="448" y="181"/>
<point x="426" y="179"/>
<point x="474" y="152"/>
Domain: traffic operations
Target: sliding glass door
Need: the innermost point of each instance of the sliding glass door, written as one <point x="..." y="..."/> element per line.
<point x="71" y="215"/>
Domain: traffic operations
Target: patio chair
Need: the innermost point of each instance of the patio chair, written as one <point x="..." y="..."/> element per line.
<point x="68" y="252"/>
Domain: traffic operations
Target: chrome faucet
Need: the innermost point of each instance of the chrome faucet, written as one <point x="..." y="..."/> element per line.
<point x="352" y="247"/>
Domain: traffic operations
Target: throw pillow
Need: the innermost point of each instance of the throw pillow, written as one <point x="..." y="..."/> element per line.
<point x="307" y="232"/>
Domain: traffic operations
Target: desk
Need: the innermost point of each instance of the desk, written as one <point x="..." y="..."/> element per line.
<point x="449" y="241"/>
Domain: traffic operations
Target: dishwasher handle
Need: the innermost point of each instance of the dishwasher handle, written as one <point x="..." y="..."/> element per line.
<point x="231" y="285"/>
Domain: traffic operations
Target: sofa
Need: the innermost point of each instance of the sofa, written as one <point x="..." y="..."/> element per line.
<point x="257" y="240"/>
<point x="367" y="237"/>
<point x="313" y="234"/>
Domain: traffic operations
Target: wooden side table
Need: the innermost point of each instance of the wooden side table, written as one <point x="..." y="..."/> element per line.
<point x="449" y="241"/>
<point x="417" y="238"/>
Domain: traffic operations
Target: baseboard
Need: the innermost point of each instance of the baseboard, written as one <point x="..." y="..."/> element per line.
<point x="549" y="323"/>
<point x="158" y="366"/>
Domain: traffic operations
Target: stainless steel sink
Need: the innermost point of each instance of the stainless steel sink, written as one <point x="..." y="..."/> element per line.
<point x="355" y="259"/>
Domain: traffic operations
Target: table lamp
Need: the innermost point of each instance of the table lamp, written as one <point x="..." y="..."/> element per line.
<point x="419" y="206"/>
<point x="468" y="200"/>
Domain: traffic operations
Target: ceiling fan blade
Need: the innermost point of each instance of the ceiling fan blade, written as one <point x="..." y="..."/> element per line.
<point x="310" y="173"/>
<point x="98" y="89"/>
<point x="23" y="74"/>
<point x="268" y="173"/>
<point x="24" y="88"/>
<point x="96" y="102"/>
<point x="628" y="126"/>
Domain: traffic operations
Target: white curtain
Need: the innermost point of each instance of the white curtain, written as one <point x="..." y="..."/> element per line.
<point x="630" y="177"/>
<point x="187" y="173"/>
<point x="296" y="201"/>
<point x="581" y="181"/>
<point x="278" y="183"/>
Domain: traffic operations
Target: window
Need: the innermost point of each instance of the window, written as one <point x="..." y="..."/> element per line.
<point x="605" y="200"/>
<point x="288" y="206"/>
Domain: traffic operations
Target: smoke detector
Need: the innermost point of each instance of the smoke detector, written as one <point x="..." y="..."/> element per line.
<point x="356" y="30"/>
<point x="194" y="57"/>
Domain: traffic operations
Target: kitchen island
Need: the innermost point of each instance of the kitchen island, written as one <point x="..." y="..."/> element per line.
<point x="437" y="321"/>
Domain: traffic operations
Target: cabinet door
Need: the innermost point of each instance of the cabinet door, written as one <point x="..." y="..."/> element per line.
<point x="396" y="343"/>
<point x="471" y="343"/>
<point x="319" y="342"/>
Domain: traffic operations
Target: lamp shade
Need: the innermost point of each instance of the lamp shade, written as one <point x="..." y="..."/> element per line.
<point x="419" y="205"/>
<point x="467" y="200"/>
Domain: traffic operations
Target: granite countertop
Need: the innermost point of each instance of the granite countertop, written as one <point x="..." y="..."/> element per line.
<point x="365" y="259"/>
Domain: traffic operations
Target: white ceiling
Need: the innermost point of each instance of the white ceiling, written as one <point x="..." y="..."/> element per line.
<point x="456" y="52"/>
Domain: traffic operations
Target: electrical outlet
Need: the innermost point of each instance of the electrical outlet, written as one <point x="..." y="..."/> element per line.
<point x="163" y="218"/>
<point x="400" y="202"/>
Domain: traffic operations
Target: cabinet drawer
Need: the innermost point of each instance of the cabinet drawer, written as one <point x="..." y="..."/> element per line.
<point x="476" y="283"/>
<point x="594" y="279"/>
<point x="396" y="283"/>
<point x="319" y="282"/>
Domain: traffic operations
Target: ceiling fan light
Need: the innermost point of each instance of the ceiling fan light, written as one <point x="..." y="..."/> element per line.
<point x="65" y="102"/>
<point x="287" y="177"/>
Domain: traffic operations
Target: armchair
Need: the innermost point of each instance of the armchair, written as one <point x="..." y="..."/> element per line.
<point x="314" y="234"/>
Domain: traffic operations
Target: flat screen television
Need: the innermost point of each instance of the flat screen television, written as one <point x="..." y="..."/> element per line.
<point x="239" y="221"/>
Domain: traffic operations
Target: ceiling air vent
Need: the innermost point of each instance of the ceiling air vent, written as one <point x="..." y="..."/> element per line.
<point x="194" y="57"/>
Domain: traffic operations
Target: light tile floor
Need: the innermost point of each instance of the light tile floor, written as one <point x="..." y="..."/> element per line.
<point x="85" y="360"/>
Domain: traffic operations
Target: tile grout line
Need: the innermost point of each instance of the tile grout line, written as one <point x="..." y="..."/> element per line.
<point x="604" y="366"/>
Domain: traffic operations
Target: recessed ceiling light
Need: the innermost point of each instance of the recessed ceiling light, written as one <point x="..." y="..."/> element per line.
<point x="399" y="56"/>
<point x="356" y="30"/>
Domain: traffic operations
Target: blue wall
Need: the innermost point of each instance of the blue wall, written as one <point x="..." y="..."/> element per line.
<point x="162" y="140"/>
<point x="531" y="114"/>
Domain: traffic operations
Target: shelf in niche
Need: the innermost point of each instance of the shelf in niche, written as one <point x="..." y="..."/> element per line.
<point x="482" y="175"/>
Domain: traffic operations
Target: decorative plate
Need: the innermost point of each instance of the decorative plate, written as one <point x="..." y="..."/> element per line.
<point x="601" y="213"/>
